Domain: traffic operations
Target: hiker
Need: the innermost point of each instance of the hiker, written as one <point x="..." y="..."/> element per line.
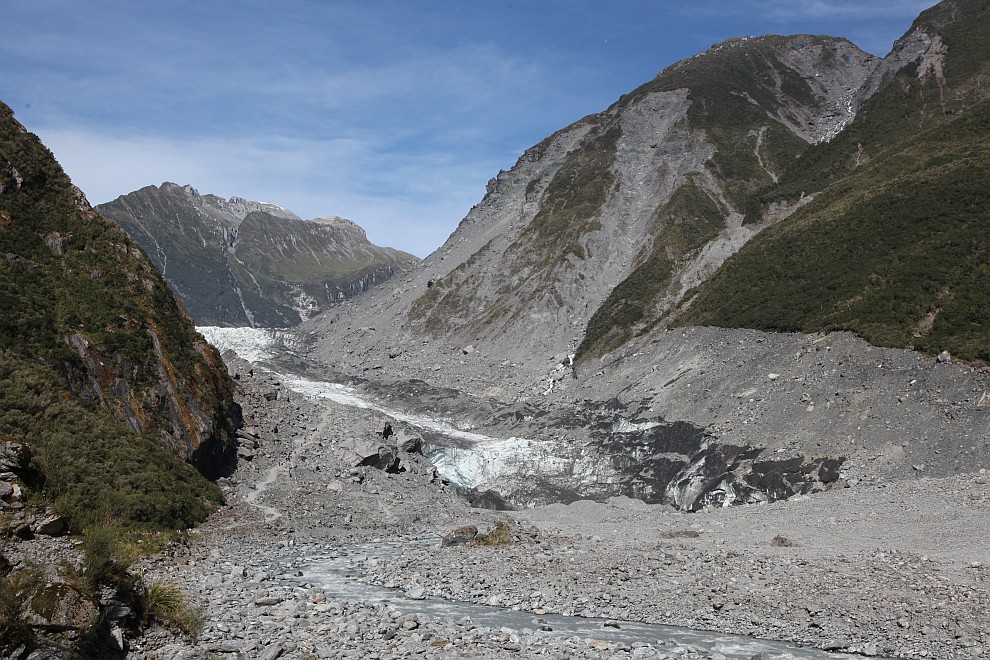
<point x="387" y="433"/>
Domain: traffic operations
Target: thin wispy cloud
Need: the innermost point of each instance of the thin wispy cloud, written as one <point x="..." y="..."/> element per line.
<point x="838" y="9"/>
<point x="391" y="113"/>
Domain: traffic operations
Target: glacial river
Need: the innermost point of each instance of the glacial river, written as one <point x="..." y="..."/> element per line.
<point x="338" y="571"/>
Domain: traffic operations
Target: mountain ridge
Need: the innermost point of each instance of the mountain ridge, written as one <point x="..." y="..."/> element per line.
<point x="221" y="258"/>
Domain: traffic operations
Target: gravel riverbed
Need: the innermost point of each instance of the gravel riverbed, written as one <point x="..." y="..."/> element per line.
<point x="890" y="569"/>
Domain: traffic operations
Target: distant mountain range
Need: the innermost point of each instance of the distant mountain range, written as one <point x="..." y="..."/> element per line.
<point x="237" y="262"/>
<point x="776" y="183"/>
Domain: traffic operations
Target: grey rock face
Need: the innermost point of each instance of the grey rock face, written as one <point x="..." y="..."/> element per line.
<point x="510" y="282"/>
<point x="240" y="262"/>
<point x="15" y="456"/>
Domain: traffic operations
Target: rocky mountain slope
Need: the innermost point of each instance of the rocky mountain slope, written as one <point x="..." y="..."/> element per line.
<point x="241" y="263"/>
<point x="601" y="231"/>
<point x="107" y="387"/>
<point x="894" y="245"/>
<point x="849" y="186"/>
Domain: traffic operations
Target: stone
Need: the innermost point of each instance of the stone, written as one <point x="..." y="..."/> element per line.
<point x="61" y="606"/>
<point x="273" y="652"/>
<point x="15" y="456"/>
<point x="459" y="536"/>
<point x="410" y="444"/>
<point x="781" y="541"/>
<point x="415" y="592"/>
<point x="51" y="524"/>
<point x="116" y="638"/>
<point x="944" y="357"/>
<point x="357" y="452"/>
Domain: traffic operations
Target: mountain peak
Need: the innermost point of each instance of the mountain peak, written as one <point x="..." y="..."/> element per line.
<point x="242" y="262"/>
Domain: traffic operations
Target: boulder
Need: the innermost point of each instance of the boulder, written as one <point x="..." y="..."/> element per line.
<point x="411" y="444"/>
<point x="358" y="452"/>
<point x="237" y="367"/>
<point x="15" y="456"/>
<point x="58" y="606"/>
<point x="51" y="524"/>
<point x="460" y="536"/>
<point x="781" y="541"/>
<point x="415" y="592"/>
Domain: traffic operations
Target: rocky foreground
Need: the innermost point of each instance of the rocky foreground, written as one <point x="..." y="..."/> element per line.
<point x="890" y="569"/>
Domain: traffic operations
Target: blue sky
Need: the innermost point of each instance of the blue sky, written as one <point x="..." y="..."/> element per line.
<point x="391" y="113"/>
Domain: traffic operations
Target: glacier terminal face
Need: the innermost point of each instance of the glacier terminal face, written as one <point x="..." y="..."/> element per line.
<point x="251" y="344"/>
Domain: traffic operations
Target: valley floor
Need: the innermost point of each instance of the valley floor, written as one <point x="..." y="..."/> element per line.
<point x="895" y="569"/>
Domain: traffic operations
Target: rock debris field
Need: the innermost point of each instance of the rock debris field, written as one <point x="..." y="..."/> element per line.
<point x="889" y="569"/>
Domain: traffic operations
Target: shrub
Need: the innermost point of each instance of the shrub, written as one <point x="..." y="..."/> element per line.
<point x="167" y="604"/>
<point x="105" y="558"/>
<point x="16" y="590"/>
<point x="500" y="534"/>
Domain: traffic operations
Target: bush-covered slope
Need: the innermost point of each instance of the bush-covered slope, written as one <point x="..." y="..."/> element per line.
<point x="759" y="103"/>
<point x="103" y="375"/>
<point x="896" y="246"/>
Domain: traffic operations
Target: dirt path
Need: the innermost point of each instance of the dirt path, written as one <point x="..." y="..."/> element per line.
<point x="271" y="475"/>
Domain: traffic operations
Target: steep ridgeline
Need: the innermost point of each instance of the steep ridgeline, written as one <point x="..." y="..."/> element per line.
<point x="107" y="387"/>
<point x="241" y="263"/>
<point x="632" y="206"/>
<point x="895" y="245"/>
<point x="602" y="232"/>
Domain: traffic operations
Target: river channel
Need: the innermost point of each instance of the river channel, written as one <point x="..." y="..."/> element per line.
<point x="340" y="573"/>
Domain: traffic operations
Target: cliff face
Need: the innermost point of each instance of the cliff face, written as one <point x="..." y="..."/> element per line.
<point x="241" y="263"/>
<point x="105" y="377"/>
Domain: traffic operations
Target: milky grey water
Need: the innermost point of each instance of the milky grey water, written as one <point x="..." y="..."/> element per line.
<point x="339" y="573"/>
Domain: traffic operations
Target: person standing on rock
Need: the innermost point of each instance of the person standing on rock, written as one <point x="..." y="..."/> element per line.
<point x="387" y="433"/>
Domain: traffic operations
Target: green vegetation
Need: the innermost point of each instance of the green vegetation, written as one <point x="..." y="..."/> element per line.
<point x="274" y="259"/>
<point x="101" y="372"/>
<point x="898" y="252"/>
<point x="16" y="589"/>
<point x="500" y="534"/>
<point x="450" y="296"/>
<point x="895" y="244"/>
<point x="574" y="197"/>
<point x="569" y="210"/>
<point x="733" y="119"/>
<point x="687" y="222"/>
<point x="89" y="464"/>
<point x="168" y="605"/>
